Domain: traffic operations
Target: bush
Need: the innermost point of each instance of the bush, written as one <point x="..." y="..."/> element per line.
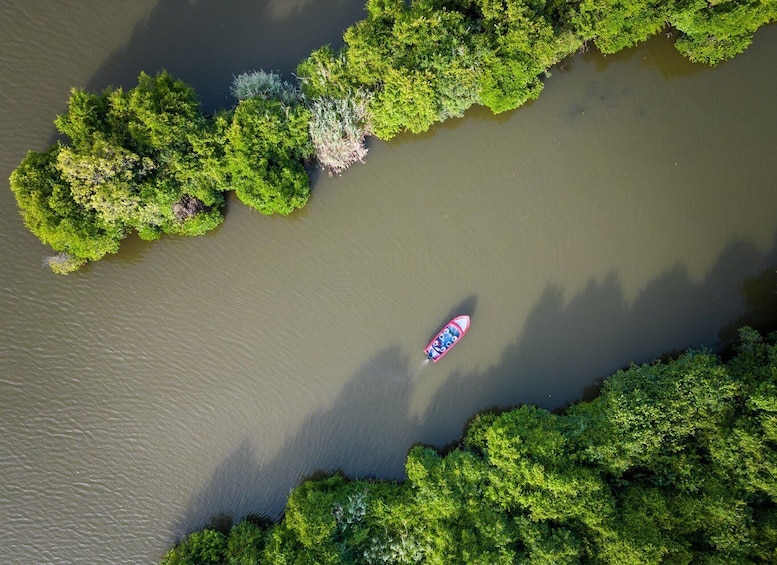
<point x="64" y="263"/>
<point x="674" y="463"/>
<point x="268" y="86"/>
<point x="337" y="130"/>
<point x="206" y="547"/>
<point x="712" y="32"/>
<point x="266" y="145"/>
<point x="51" y="213"/>
<point x="245" y="544"/>
<point x="131" y="157"/>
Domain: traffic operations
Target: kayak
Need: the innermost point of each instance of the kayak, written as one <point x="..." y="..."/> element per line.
<point x="447" y="337"/>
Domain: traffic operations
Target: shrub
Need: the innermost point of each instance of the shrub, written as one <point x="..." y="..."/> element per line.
<point x="337" y="130"/>
<point x="206" y="547"/>
<point x="51" y="213"/>
<point x="267" y="143"/>
<point x="64" y="263"/>
<point x="269" y="86"/>
<point x="131" y="156"/>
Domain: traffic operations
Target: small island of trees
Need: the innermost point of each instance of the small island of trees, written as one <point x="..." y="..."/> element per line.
<point x="148" y="160"/>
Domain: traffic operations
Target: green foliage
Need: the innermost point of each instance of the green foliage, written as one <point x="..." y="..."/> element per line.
<point x="617" y="24"/>
<point x="269" y="86"/>
<point x="51" y="213"/>
<point x="377" y="60"/>
<point x="432" y="59"/>
<point x="266" y="144"/>
<point x="199" y="170"/>
<point x="715" y="31"/>
<point x="206" y="547"/>
<point x="533" y="471"/>
<point x="245" y="544"/>
<point x="520" y="42"/>
<point x="649" y="528"/>
<point x="318" y="517"/>
<point x="324" y="74"/>
<point x="133" y="162"/>
<point x="109" y="180"/>
<point x="148" y="160"/>
<point x="710" y="31"/>
<point x="405" y="101"/>
<point x="509" y="83"/>
<point x="417" y="62"/>
<point x="673" y="463"/>
<point x="654" y="412"/>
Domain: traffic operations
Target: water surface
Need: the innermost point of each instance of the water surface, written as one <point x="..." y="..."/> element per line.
<point x="609" y="221"/>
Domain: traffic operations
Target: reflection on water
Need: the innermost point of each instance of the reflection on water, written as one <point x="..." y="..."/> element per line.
<point x="609" y="221"/>
<point x="280" y="10"/>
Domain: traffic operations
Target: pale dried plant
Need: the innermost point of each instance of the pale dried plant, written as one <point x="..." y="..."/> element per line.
<point x="338" y="129"/>
<point x="262" y="84"/>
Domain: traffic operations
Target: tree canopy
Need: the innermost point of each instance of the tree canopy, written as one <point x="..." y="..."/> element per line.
<point x="265" y="147"/>
<point x="429" y="60"/>
<point x="674" y="462"/>
<point x="130" y="163"/>
<point x="148" y="160"/>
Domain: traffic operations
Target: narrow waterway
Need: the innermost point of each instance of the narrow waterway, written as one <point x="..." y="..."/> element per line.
<point x="608" y="222"/>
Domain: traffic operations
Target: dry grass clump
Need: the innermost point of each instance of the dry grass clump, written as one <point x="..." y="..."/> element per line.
<point x="187" y="207"/>
<point x="64" y="263"/>
<point x="338" y="128"/>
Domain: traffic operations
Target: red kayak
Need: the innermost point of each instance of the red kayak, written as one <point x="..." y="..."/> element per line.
<point x="448" y="336"/>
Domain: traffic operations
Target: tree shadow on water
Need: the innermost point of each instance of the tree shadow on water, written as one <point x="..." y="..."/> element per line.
<point x="657" y="52"/>
<point x="564" y="346"/>
<point x="366" y="432"/>
<point x="206" y="43"/>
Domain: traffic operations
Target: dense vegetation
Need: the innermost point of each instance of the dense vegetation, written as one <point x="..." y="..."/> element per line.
<point x="674" y="462"/>
<point x="432" y="59"/>
<point x="148" y="160"/>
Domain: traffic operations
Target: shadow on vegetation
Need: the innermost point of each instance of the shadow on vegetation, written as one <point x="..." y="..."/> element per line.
<point x="563" y="351"/>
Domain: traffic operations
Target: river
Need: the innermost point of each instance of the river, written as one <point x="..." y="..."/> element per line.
<point x="608" y="222"/>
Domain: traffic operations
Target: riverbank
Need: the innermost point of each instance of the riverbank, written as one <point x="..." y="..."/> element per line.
<point x="134" y="159"/>
<point x="673" y="461"/>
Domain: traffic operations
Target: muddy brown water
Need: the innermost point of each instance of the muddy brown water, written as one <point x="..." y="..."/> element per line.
<point x="609" y="221"/>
